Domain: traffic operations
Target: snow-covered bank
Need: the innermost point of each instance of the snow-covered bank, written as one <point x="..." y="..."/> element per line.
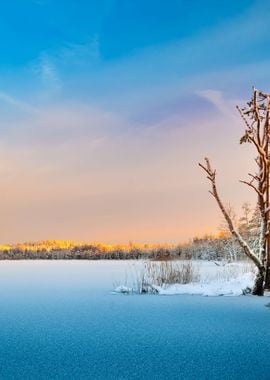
<point x="214" y="280"/>
<point x="234" y="287"/>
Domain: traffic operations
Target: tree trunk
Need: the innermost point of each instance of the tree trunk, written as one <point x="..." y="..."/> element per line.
<point x="258" y="289"/>
<point x="267" y="277"/>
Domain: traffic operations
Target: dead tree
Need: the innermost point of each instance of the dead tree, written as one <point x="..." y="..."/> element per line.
<point x="256" y="118"/>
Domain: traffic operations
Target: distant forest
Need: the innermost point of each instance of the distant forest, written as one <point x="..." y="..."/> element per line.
<point x="205" y="248"/>
<point x="209" y="247"/>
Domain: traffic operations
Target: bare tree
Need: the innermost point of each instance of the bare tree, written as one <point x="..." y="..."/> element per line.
<point x="256" y="118"/>
<point x="245" y="220"/>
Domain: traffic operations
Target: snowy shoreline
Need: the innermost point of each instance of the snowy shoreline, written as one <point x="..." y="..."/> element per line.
<point x="234" y="279"/>
<point x="235" y="287"/>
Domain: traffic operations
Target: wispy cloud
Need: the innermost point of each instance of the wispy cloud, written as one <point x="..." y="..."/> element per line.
<point x="17" y="103"/>
<point x="217" y="99"/>
<point x="79" y="54"/>
<point x="47" y="72"/>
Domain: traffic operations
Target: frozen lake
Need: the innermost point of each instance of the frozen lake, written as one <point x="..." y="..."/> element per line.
<point x="59" y="320"/>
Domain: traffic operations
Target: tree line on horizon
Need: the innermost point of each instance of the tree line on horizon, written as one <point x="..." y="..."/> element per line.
<point x="221" y="246"/>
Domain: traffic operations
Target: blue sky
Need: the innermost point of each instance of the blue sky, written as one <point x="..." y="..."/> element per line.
<point x="106" y="107"/>
<point x="115" y="45"/>
<point x="121" y="26"/>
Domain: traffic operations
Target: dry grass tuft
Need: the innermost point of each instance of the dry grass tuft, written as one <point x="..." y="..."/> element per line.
<point x="165" y="273"/>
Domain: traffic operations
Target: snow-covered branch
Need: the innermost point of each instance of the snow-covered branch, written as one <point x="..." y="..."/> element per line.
<point x="211" y="175"/>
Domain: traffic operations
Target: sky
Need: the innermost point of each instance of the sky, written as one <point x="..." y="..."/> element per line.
<point x="107" y="106"/>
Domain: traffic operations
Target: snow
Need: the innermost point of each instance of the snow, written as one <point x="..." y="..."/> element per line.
<point x="216" y="279"/>
<point x="123" y="289"/>
<point x="234" y="287"/>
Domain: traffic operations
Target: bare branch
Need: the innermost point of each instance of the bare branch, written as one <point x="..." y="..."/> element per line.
<point x="212" y="177"/>
<point x="253" y="187"/>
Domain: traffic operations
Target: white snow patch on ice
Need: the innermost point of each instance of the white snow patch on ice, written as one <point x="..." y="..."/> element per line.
<point x="123" y="289"/>
<point x="234" y="287"/>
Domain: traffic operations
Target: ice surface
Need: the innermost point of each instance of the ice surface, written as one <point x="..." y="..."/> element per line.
<point x="59" y="320"/>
